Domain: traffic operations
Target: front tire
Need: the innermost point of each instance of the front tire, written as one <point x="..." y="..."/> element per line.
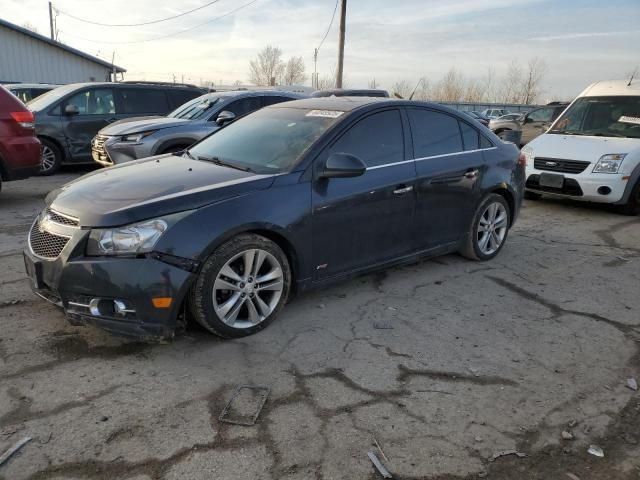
<point x="242" y="287"/>
<point x="51" y="157"/>
<point x="488" y="230"/>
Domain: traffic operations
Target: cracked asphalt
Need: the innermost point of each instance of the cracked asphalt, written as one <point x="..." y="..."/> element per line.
<point x="475" y="359"/>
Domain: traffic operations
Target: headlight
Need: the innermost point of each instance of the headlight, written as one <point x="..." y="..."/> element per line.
<point x="609" y="163"/>
<point x="136" y="137"/>
<point x="528" y="154"/>
<point x="132" y="239"/>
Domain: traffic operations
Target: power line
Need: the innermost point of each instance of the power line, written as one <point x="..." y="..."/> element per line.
<point x="135" y="24"/>
<point x="220" y="17"/>
<point x="335" y="9"/>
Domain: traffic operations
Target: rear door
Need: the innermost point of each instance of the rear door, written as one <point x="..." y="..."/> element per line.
<point x="136" y="102"/>
<point x="450" y="166"/>
<point x="536" y="123"/>
<point x="365" y="220"/>
<point x="97" y="109"/>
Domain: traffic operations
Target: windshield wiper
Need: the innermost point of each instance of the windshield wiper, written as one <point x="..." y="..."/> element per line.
<point x="222" y="163"/>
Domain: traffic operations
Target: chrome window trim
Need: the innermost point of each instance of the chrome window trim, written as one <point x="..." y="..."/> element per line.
<point x="430" y="157"/>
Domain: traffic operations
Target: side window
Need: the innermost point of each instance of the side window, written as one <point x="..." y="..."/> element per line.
<point x="180" y="97"/>
<point x="140" y="100"/>
<point x="376" y="139"/>
<point x="272" y="99"/>
<point x="434" y="133"/>
<point x="98" y="101"/>
<point x="470" y="136"/>
<point x="541" y="115"/>
<point x="244" y="105"/>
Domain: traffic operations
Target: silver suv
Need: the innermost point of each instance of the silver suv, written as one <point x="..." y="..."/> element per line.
<point x="142" y="137"/>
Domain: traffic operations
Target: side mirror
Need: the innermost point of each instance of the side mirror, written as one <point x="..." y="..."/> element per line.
<point x="71" y="110"/>
<point x="225" y="117"/>
<point x="343" y="165"/>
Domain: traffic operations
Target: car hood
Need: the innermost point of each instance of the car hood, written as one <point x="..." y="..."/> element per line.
<point x="149" y="188"/>
<point x="129" y="126"/>
<point x="578" y="147"/>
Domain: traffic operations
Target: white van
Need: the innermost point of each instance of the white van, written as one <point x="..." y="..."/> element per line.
<point x="592" y="151"/>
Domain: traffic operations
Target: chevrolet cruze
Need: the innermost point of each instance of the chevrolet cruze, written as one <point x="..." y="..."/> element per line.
<point x="290" y="197"/>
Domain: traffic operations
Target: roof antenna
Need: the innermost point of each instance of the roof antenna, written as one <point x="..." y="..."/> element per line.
<point x="632" y="76"/>
<point x="417" y="85"/>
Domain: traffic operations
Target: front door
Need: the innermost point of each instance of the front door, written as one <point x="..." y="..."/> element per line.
<point x="96" y="109"/>
<point x="365" y="220"/>
<point x="450" y="165"/>
<point x="536" y="123"/>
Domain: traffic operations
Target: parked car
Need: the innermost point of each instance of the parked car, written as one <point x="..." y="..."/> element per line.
<point x="135" y="138"/>
<point x="290" y="197"/>
<point x="592" y="151"/>
<point x="19" y="147"/>
<point x="479" y="117"/>
<point x="68" y="117"/>
<point x="531" y="124"/>
<point x="28" y="91"/>
<point x="494" y="112"/>
<point x="350" y="92"/>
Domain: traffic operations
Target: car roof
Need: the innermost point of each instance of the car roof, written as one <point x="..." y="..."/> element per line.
<point x="612" y="88"/>
<point x="30" y="85"/>
<point x="343" y="104"/>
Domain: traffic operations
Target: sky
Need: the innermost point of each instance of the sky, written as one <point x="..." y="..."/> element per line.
<point x="581" y="41"/>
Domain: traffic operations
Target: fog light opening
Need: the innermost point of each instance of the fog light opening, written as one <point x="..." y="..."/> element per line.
<point x="604" y="190"/>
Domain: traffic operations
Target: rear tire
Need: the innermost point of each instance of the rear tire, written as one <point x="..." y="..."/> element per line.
<point x="632" y="207"/>
<point x="488" y="230"/>
<point x="532" y="195"/>
<point x="242" y="287"/>
<point x="51" y="157"/>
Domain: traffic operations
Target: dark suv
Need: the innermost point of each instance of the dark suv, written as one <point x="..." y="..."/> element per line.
<point x="19" y="147"/>
<point x="67" y="118"/>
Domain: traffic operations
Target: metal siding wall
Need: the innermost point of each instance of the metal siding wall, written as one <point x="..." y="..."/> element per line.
<point x="28" y="60"/>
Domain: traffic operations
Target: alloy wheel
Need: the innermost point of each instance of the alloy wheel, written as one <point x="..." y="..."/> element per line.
<point x="248" y="288"/>
<point x="492" y="228"/>
<point x="48" y="158"/>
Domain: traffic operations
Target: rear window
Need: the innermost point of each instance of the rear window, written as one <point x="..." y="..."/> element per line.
<point x="434" y="133"/>
<point x="140" y="100"/>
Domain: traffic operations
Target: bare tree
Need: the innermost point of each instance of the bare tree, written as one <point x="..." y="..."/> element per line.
<point x="530" y="89"/>
<point x="402" y="89"/>
<point x="512" y="83"/>
<point x="489" y="85"/>
<point x="451" y="87"/>
<point x="474" y="91"/>
<point x="373" y="83"/>
<point x="326" y="82"/>
<point x="267" y="68"/>
<point x="294" y="72"/>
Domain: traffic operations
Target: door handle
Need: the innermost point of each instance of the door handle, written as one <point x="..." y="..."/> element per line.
<point x="401" y="190"/>
<point x="472" y="173"/>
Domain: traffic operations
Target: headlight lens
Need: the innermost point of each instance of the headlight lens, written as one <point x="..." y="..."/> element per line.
<point x="131" y="239"/>
<point x="136" y="137"/>
<point x="609" y="163"/>
<point x="528" y="154"/>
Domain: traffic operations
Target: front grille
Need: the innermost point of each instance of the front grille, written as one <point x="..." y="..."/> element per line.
<point x="558" y="165"/>
<point x="571" y="187"/>
<point x="45" y="244"/>
<point x="62" y="219"/>
<point x="98" y="151"/>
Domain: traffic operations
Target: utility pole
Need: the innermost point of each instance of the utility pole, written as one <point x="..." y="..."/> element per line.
<point x="51" y="21"/>
<point x="343" y="15"/>
<point x="314" y="79"/>
<point x="113" y="65"/>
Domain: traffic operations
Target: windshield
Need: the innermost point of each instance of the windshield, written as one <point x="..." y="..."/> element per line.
<point x="616" y="116"/>
<point x="45" y="100"/>
<point x="271" y="140"/>
<point x="196" y="108"/>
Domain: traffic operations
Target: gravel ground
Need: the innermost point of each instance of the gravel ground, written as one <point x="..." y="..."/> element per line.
<point x="482" y="358"/>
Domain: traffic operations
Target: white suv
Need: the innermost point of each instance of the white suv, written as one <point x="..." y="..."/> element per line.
<point x="592" y="151"/>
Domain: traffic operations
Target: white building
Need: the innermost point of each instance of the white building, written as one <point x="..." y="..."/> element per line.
<point x="28" y="57"/>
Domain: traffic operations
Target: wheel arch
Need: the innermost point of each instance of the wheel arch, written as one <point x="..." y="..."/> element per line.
<point x="161" y="147"/>
<point x="509" y="197"/>
<point x="57" y="143"/>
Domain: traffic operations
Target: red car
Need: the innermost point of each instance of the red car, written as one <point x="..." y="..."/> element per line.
<point x="19" y="147"/>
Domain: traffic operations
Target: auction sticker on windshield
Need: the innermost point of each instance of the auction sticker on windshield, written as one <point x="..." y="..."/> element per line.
<point x="627" y="119"/>
<point x="324" y="113"/>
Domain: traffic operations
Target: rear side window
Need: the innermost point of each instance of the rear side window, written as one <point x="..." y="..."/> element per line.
<point x="470" y="136"/>
<point x="376" y="139"/>
<point x="485" y="143"/>
<point x="98" y="101"/>
<point x="434" y="133"/>
<point x="244" y="106"/>
<point x="180" y="97"/>
<point x="140" y="100"/>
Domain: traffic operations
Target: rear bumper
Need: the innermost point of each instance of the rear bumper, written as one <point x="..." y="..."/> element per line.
<point x="87" y="287"/>
<point x="21" y="157"/>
